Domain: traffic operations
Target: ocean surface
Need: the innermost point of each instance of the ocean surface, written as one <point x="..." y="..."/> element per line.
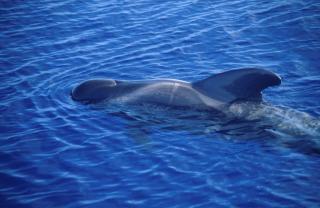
<point x="55" y="152"/>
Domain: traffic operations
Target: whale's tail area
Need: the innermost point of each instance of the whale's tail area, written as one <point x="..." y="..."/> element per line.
<point x="238" y="84"/>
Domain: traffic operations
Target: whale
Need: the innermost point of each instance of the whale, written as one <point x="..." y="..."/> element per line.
<point x="231" y="105"/>
<point x="214" y="92"/>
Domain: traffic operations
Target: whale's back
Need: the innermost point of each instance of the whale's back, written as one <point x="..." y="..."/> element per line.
<point x="166" y="92"/>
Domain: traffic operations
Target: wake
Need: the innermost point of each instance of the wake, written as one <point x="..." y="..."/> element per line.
<point x="283" y="120"/>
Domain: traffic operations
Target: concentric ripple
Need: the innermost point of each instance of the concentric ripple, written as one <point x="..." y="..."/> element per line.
<point x="55" y="152"/>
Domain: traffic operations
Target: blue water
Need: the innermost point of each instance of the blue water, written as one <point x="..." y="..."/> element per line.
<point x="55" y="152"/>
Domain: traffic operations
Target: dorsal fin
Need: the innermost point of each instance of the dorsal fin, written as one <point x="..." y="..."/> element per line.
<point x="239" y="84"/>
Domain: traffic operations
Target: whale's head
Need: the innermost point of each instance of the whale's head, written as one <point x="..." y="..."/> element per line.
<point x="93" y="91"/>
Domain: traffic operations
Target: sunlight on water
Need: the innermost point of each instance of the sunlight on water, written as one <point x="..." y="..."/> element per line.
<point x="55" y="152"/>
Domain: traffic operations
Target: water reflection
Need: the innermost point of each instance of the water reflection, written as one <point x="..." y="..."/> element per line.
<point x="240" y="121"/>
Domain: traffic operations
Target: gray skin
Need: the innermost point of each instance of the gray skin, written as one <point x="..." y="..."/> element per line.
<point x="214" y="92"/>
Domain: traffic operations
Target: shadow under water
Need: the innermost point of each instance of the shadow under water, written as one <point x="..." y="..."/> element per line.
<point x="269" y="124"/>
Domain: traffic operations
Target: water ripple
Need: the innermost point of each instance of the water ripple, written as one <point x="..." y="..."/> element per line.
<point x="59" y="153"/>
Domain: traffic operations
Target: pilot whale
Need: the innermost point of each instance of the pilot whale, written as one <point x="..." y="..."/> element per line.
<point x="215" y="92"/>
